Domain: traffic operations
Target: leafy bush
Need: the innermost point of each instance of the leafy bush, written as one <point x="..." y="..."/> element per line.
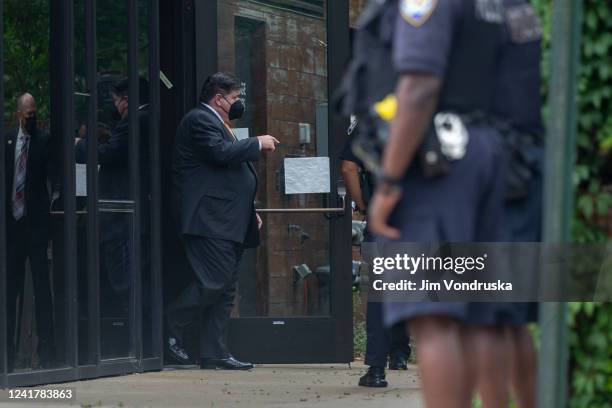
<point x="591" y="355"/>
<point x="591" y="323"/>
<point x="26" y="55"/>
<point x="592" y="172"/>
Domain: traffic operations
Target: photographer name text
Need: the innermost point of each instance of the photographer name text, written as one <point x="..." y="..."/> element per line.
<point x="445" y="284"/>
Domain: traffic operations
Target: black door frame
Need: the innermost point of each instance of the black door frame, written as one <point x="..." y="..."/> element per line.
<point x="298" y="339"/>
<point x="2" y="214"/>
<point x="62" y="107"/>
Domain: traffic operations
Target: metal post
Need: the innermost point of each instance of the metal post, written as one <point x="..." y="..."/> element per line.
<point x="93" y="223"/>
<point x="134" y="168"/>
<point x="338" y="54"/>
<point x="560" y="154"/>
<point x="156" y="295"/>
<point x="65" y="62"/>
<point x="3" y="327"/>
<point x="206" y="41"/>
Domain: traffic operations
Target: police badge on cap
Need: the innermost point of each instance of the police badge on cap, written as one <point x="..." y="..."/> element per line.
<point x="416" y="12"/>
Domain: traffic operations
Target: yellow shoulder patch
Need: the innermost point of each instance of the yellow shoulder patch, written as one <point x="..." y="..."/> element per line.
<point x="417" y="12"/>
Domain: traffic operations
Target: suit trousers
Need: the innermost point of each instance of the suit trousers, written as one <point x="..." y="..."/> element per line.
<point x="22" y="246"/>
<point x="215" y="265"/>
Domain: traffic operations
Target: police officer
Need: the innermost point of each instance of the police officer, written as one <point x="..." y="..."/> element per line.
<point x="518" y="82"/>
<point x="445" y="53"/>
<point x="381" y="344"/>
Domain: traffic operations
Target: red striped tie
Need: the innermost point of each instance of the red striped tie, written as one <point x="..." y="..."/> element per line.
<point x="21" y="164"/>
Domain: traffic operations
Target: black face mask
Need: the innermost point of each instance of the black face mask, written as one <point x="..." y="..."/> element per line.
<point x="30" y="125"/>
<point x="236" y="109"/>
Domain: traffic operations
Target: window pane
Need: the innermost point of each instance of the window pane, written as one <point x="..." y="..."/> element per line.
<point x="35" y="278"/>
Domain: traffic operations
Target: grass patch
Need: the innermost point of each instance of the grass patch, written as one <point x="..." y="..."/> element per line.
<point x="359" y="329"/>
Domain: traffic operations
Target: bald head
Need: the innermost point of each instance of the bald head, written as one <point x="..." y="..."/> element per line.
<point x="25" y="101"/>
<point x="26" y="113"/>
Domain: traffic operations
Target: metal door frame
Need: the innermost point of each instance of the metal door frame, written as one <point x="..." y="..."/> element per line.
<point x="62" y="106"/>
<point x="326" y="339"/>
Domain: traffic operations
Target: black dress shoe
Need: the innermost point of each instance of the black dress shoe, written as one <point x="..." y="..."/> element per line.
<point x="375" y="377"/>
<point x="397" y="363"/>
<point x="229" y="363"/>
<point x="175" y="353"/>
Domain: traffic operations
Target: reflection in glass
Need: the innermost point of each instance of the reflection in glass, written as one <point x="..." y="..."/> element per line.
<point x="115" y="286"/>
<point x="29" y="177"/>
<point x="116" y="199"/>
<point x="116" y="229"/>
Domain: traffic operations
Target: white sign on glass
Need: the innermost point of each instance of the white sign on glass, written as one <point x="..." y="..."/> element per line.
<point x="305" y="175"/>
<point x="81" y="179"/>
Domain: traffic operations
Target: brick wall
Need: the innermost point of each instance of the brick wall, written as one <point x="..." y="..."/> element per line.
<point x="294" y="80"/>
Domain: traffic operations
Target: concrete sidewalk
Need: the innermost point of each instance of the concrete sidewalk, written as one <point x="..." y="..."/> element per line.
<point x="266" y="386"/>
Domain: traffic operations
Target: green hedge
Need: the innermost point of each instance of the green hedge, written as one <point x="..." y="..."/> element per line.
<point x="590" y="340"/>
<point x="591" y="355"/>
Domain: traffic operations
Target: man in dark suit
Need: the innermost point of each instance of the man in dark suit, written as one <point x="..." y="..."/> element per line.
<point x="27" y="171"/>
<point x="214" y="193"/>
<point x="114" y="184"/>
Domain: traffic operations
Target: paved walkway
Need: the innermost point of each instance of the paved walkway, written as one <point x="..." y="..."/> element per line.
<point x="267" y="386"/>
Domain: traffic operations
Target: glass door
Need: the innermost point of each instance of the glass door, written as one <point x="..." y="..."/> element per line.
<point x="115" y="119"/>
<point x="294" y="297"/>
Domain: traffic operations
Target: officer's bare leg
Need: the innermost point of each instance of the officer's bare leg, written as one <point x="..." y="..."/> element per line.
<point x="524" y="366"/>
<point x="444" y="362"/>
<point x="491" y="350"/>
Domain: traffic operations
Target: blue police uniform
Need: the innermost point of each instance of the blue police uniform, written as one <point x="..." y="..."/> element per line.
<point x="381" y="343"/>
<point x="518" y="84"/>
<point x="519" y="103"/>
<point x="458" y="41"/>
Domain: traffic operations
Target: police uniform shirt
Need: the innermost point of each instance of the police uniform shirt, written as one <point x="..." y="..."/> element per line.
<point x="425" y="31"/>
<point x="423" y="35"/>
<point x="518" y="75"/>
<point x="432" y="37"/>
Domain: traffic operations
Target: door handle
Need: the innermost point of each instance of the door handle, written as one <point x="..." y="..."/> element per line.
<point x="301" y="210"/>
<point x="104" y="206"/>
<point x="332" y="210"/>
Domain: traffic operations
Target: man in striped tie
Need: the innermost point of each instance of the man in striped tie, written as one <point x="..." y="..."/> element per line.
<point x="27" y="213"/>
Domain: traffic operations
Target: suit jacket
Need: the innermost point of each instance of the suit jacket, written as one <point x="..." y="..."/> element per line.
<point x="38" y="172"/>
<point x="214" y="183"/>
<point x="114" y="175"/>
